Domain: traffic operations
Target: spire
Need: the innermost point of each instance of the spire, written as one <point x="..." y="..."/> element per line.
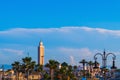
<point x="104" y="52"/>
<point x="41" y="43"/>
<point x="28" y="54"/>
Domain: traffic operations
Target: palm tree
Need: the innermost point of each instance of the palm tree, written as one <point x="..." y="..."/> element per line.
<point x="75" y="67"/>
<point x="70" y="72"/>
<point x="64" y="64"/>
<point x="90" y="63"/>
<point x="28" y="65"/>
<point x="70" y="68"/>
<point x="83" y="62"/>
<point x="75" y="70"/>
<point x="39" y="69"/>
<point x="63" y="71"/>
<point x="89" y="73"/>
<point x="32" y="66"/>
<point x="52" y="65"/>
<point x="16" y="68"/>
<point x="27" y="60"/>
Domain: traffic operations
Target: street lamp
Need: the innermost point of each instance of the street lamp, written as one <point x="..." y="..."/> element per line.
<point x="113" y="66"/>
<point x="104" y="62"/>
<point x="96" y="63"/>
<point x="104" y="59"/>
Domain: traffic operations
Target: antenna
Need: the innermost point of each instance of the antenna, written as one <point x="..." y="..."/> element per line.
<point x="28" y="54"/>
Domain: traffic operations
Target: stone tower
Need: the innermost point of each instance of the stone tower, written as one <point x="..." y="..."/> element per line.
<point x="41" y="53"/>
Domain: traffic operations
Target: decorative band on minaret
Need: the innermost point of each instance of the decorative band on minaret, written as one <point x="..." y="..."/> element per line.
<point x="41" y="53"/>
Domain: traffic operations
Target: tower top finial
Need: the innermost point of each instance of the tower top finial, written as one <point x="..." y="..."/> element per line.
<point x="104" y="51"/>
<point x="41" y="43"/>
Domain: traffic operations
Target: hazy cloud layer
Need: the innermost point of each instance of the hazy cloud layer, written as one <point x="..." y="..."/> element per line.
<point x="69" y="44"/>
<point x="9" y="55"/>
<point x="71" y="55"/>
<point x="18" y="52"/>
<point x="103" y="31"/>
<point x="19" y="31"/>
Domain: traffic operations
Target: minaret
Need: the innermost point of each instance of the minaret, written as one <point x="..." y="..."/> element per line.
<point x="41" y="53"/>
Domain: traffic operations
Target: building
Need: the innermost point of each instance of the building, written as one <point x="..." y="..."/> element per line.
<point x="41" y="53"/>
<point x="34" y="76"/>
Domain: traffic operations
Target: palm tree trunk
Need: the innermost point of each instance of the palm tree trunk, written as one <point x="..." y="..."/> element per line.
<point x="18" y="75"/>
<point x="52" y="74"/>
<point x="28" y="75"/>
<point x="83" y="66"/>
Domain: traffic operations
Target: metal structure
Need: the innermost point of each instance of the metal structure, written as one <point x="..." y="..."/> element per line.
<point x="104" y="59"/>
<point x="104" y="62"/>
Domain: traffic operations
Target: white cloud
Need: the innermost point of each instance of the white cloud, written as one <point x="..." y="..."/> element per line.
<point x="65" y="43"/>
<point x="69" y="55"/>
<point x="8" y="55"/>
<point x="103" y="31"/>
<point x="76" y="51"/>
<point x="18" y="52"/>
<point x="67" y="29"/>
<point x="72" y="61"/>
<point x="87" y="28"/>
<point x="34" y="30"/>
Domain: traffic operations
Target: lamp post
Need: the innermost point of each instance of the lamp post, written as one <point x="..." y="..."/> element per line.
<point x="104" y="61"/>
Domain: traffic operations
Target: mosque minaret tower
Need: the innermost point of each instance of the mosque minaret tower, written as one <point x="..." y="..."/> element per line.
<point x="41" y="53"/>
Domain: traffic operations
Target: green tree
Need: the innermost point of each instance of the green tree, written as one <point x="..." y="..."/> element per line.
<point x="70" y="72"/>
<point x="90" y="63"/>
<point x="66" y="71"/>
<point x="75" y="70"/>
<point x="64" y="64"/>
<point x="39" y="68"/>
<point x="28" y="65"/>
<point x="63" y="71"/>
<point x="52" y="65"/>
<point x="75" y="67"/>
<point x="16" y="67"/>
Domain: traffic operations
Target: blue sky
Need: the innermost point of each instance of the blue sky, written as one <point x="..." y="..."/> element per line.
<point x="70" y="30"/>
<point x="52" y="13"/>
